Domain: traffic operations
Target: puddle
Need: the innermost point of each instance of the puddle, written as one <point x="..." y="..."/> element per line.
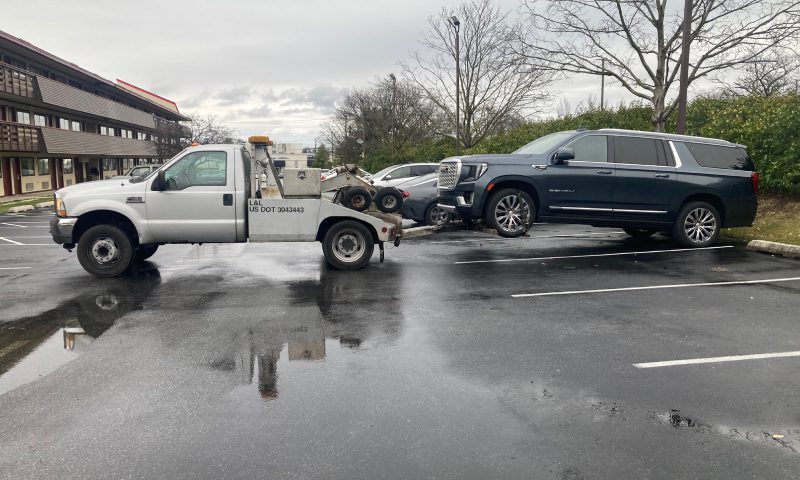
<point x="35" y="346"/>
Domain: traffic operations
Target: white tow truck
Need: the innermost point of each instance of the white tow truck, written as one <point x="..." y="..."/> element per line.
<point x="225" y="194"/>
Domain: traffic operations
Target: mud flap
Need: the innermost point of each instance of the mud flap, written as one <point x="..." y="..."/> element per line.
<point x="380" y="247"/>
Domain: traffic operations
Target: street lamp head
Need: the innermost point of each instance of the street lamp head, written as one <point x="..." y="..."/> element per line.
<point x="454" y="21"/>
<point x="391" y="75"/>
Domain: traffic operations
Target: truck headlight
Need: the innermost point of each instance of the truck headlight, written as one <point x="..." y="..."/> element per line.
<point x="61" y="211"/>
<point x="482" y="168"/>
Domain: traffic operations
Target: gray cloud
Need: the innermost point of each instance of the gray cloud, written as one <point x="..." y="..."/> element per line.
<point x="233" y="96"/>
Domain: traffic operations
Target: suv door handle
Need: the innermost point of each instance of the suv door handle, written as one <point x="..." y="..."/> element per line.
<point x="661" y="175"/>
<point x="605" y="172"/>
<point x="227" y="199"/>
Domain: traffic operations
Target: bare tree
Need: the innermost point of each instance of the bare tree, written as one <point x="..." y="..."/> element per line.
<point x="638" y="42"/>
<point x="772" y="73"/>
<point x="208" y="129"/>
<point x="496" y="81"/>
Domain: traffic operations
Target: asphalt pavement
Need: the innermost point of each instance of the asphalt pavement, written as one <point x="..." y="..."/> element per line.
<point x="464" y="355"/>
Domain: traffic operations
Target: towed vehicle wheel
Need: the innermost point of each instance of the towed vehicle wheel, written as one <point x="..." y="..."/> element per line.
<point x="436" y="216"/>
<point x="105" y="251"/>
<point x="510" y="212"/>
<point x="389" y="200"/>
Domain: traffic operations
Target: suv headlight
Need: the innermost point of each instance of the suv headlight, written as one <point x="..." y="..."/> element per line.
<point x="482" y="168"/>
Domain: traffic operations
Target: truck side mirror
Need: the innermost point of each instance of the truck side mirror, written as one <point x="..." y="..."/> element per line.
<point x="159" y="184"/>
<point x="563" y="155"/>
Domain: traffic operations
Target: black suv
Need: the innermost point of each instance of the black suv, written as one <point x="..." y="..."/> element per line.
<point x="642" y="182"/>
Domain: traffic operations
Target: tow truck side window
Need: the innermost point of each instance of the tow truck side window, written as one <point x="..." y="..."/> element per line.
<point x="198" y="169"/>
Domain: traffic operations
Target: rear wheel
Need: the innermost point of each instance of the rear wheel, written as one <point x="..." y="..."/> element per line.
<point x="639" y="233"/>
<point x="105" y="251"/>
<point x="510" y="212"/>
<point x="389" y="200"/>
<point x="436" y="216"/>
<point x="697" y="225"/>
<point x="348" y="245"/>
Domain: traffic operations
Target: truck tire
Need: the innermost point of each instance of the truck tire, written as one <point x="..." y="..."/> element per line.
<point x="389" y="200"/>
<point x="348" y="245"/>
<point x="697" y="225"/>
<point x="105" y="251"/>
<point x="144" y="252"/>
<point x="356" y="198"/>
<point x="505" y="211"/>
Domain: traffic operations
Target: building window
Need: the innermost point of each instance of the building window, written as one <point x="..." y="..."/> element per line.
<point x="109" y="164"/>
<point x="68" y="166"/>
<point x="112" y="132"/>
<point x="26" y="167"/>
<point x="141" y="136"/>
<point x="23" y="117"/>
<point x="44" y="166"/>
<point x="76" y="126"/>
<point x="39" y="120"/>
<point x="103" y="130"/>
<point x="63" y="124"/>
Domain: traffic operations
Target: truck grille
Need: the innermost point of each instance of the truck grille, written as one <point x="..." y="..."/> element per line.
<point x="448" y="174"/>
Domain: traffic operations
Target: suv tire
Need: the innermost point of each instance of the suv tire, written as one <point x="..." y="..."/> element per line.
<point x="105" y="251"/>
<point x="504" y="212"/>
<point x="697" y="225"/>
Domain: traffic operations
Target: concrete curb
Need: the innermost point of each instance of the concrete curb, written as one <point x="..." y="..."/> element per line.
<point x="775" y="248"/>
<point x="21" y="208"/>
<point x="44" y="204"/>
<point x="418" y="232"/>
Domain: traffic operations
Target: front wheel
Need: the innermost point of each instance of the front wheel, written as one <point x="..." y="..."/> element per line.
<point x="144" y="252"/>
<point x="697" y="225"/>
<point x="105" y="251"/>
<point x="510" y="212"/>
<point x="348" y="245"/>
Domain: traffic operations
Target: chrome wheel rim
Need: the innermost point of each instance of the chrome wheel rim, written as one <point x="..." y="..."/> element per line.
<point x="348" y="246"/>
<point x="389" y="202"/>
<point x="509" y="212"/>
<point x="105" y="251"/>
<point x="700" y="225"/>
<point x="438" y="216"/>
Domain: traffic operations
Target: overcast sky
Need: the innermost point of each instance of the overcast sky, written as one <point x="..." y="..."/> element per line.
<point x="271" y="67"/>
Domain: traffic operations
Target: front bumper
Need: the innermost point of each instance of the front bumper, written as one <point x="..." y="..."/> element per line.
<point x="61" y="229"/>
<point x="458" y="201"/>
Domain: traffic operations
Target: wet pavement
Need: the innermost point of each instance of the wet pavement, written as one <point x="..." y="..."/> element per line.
<point x="257" y="361"/>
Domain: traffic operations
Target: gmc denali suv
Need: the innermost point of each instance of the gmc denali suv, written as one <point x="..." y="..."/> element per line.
<point x="642" y="182"/>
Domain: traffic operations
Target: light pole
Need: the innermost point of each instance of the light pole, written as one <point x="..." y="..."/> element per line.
<point x="456" y="24"/>
<point x="394" y="96"/>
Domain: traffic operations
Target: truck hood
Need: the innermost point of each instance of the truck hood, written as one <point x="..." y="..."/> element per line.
<point x="495" y="159"/>
<point x="100" y="188"/>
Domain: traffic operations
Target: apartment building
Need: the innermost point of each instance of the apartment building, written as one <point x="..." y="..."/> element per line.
<point x="61" y="124"/>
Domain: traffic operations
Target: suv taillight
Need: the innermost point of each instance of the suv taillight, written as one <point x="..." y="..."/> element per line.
<point x="754" y="178"/>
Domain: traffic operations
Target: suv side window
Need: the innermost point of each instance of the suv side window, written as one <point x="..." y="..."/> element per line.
<point x="198" y="169"/>
<point x="717" y="156"/>
<point x="591" y="148"/>
<point x="637" y="151"/>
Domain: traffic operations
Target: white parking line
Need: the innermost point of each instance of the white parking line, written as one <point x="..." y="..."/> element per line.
<point x="10" y="241"/>
<point x="27" y="223"/>
<point x="12" y="225"/>
<point x="13" y="268"/>
<point x="656" y="287"/>
<point x="616" y="254"/>
<point x="730" y="358"/>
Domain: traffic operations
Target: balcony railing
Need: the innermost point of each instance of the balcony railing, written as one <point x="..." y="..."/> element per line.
<point x="16" y="137"/>
<point x="16" y="82"/>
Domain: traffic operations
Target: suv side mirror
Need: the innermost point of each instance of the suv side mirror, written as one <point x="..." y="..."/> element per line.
<point x="563" y="155"/>
<point x="159" y="184"/>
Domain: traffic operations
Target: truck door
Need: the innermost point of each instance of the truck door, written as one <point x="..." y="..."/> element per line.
<point x="197" y="205"/>
<point x="582" y="186"/>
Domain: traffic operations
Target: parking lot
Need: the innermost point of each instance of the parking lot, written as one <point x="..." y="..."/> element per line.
<point x="574" y="353"/>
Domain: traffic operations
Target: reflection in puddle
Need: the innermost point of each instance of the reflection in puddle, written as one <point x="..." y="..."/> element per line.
<point x="32" y="347"/>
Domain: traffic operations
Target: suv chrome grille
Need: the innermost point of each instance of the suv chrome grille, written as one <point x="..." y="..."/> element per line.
<point x="448" y="174"/>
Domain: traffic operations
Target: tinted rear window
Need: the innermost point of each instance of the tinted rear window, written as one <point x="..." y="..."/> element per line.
<point x="636" y="151"/>
<point x="717" y="156"/>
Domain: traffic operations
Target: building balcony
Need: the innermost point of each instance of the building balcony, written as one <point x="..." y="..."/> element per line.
<point x="49" y="92"/>
<point x="18" y="137"/>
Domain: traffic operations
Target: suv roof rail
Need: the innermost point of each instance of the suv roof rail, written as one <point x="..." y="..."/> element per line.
<point x="673" y="136"/>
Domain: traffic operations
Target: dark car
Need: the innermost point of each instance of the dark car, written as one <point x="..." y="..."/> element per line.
<point x="421" y="203"/>
<point x="642" y="182"/>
